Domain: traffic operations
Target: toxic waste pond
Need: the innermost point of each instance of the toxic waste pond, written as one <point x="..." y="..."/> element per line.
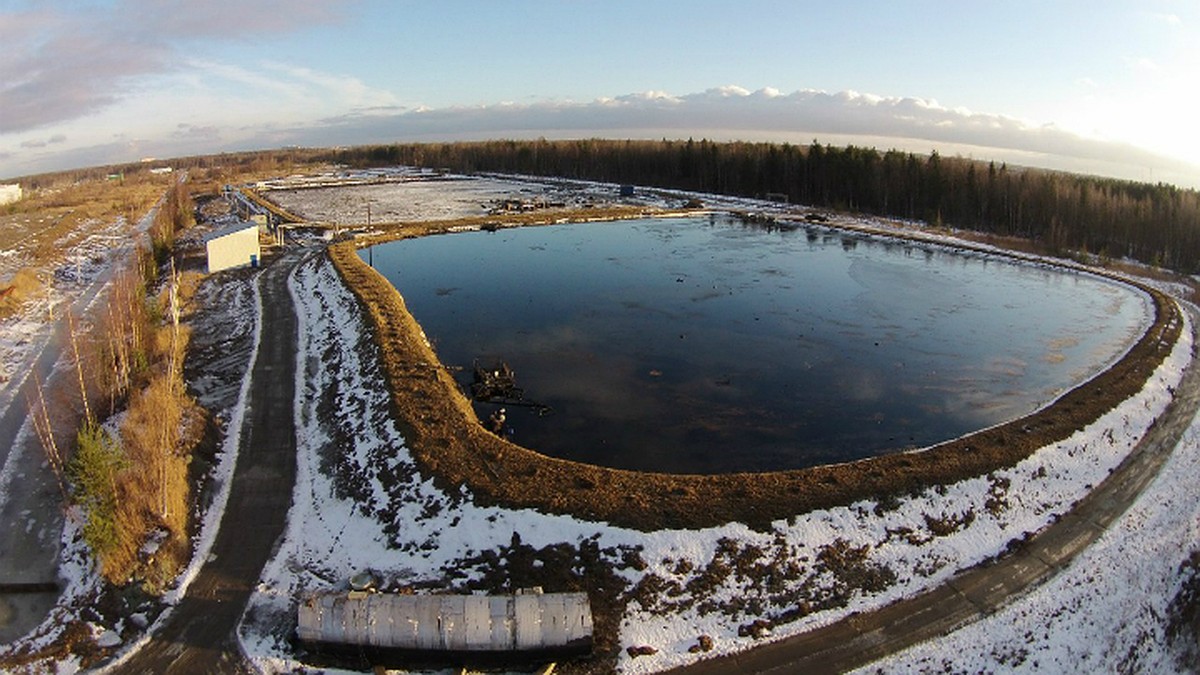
<point x="705" y="345"/>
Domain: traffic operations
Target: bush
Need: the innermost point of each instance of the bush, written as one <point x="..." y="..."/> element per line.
<point x="93" y="471"/>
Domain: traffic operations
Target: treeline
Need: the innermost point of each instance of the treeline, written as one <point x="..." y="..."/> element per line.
<point x="1155" y="224"/>
<point x="234" y="165"/>
<point x="130" y="476"/>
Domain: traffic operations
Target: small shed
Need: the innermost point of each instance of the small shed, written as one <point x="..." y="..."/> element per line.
<point x="454" y="626"/>
<point x="233" y="246"/>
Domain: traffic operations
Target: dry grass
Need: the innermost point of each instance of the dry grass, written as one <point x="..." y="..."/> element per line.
<point x="132" y="362"/>
<point x="48" y="214"/>
<point x="449" y="443"/>
<point x="135" y="366"/>
<point x="43" y="226"/>
<point x="161" y="427"/>
<point x="22" y="287"/>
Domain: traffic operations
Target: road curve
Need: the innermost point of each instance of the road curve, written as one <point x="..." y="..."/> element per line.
<point x="861" y="639"/>
<point x="200" y="634"/>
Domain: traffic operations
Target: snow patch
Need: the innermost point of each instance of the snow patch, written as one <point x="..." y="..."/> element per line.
<point x="360" y="503"/>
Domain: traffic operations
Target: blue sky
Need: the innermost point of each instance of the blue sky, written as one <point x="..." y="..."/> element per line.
<point x="1104" y="87"/>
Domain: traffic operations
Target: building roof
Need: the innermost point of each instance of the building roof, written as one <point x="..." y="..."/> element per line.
<point x="229" y="229"/>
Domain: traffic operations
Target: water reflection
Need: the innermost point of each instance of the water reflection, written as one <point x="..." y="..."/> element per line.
<point x="705" y="345"/>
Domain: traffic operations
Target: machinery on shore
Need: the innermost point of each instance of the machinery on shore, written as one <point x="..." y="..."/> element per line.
<point x="497" y="383"/>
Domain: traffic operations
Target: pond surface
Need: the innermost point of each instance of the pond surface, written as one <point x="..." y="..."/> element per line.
<point x="705" y="345"/>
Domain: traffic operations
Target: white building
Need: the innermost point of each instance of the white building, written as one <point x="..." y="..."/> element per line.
<point x="233" y="246"/>
<point x="10" y="193"/>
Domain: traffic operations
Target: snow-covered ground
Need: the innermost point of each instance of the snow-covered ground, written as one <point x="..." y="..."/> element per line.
<point x="230" y="333"/>
<point x="450" y="197"/>
<point x="361" y="504"/>
<point x="1109" y="611"/>
<point x="87" y="253"/>
<point x="31" y="346"/>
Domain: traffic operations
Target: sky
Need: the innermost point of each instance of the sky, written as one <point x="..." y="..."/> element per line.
<point x="1103" y="86"/>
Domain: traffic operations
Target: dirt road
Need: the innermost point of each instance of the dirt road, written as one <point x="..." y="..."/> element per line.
<point x="199" y="635"/>
<point x="859" y="640"/>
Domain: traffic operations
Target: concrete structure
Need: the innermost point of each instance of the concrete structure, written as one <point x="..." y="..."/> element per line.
<point x="10" y="193"/>
<point x="451" y="625"/>
<point x="233" y="246"/>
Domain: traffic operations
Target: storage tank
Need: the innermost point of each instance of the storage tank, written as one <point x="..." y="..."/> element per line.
<point x="382" y="623"/>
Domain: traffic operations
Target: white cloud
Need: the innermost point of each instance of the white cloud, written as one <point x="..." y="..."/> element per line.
<point x="733" y="112"/>
<point x="1168" y="18"/>
<point x="726" y="92"/>
<point x="347" y="90"/>
<point x="1146" y="63"/>
<point x="344" y="111"/>
<point x="64" y="63"/>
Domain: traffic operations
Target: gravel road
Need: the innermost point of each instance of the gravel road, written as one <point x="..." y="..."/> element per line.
<point x="199" y="635"/>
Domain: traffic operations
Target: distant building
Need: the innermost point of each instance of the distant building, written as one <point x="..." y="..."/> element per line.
<point x="10" y="193"/>
<point x="233" y="246"/>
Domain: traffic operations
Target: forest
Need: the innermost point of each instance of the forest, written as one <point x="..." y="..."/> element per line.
<point x="1156" y="224"/>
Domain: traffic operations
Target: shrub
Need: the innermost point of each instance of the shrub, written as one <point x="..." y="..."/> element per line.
<point x="93" y="472"/>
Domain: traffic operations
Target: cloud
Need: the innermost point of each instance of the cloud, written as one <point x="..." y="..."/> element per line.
<point x="350" y="91"/>
<point x="845" y="113"/>
<point x="722" y="113"/>
<point x="227" y="19"/>
<point x="191" y="132"/>
<point x="39" y="143"/>
<point x="1168" y="18"/>
<point x="1146" y="64"/>
<point x="766" y="114"/>
<point x="64" y="64"/>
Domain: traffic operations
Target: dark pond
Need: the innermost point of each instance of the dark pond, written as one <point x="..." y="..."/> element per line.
<point x="706" y="345"/>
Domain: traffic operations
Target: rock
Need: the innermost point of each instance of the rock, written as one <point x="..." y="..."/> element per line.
<point x="107" y="639"/>
<point x="759" y="629"/>
<point x="644" y="650"/>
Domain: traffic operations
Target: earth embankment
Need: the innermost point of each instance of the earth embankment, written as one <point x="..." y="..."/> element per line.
<point x="451" y="445"/>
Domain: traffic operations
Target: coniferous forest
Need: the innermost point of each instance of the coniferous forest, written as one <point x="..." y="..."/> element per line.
<point x="1156" y="224"/>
